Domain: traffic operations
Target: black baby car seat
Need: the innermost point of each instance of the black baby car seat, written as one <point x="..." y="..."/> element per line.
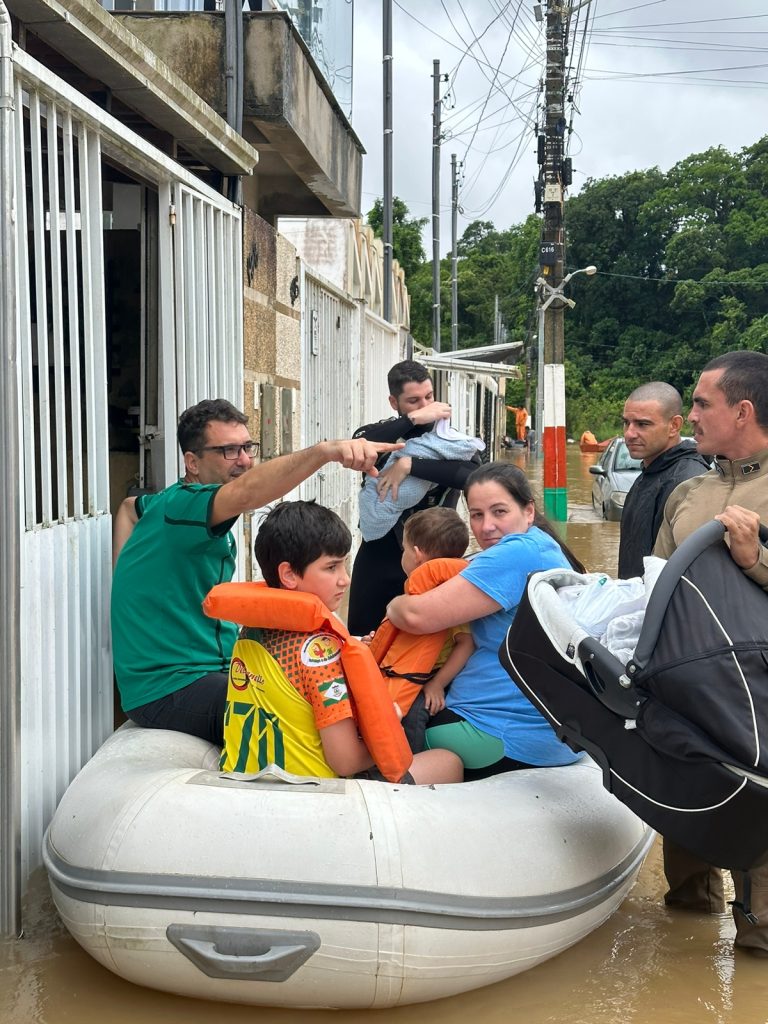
<point x="681" y="731"/>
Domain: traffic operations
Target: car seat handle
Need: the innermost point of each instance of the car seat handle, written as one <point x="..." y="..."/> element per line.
<point x="710" y="533"/>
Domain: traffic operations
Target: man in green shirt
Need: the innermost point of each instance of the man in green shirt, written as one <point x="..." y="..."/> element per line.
<point x="171" y="661"/>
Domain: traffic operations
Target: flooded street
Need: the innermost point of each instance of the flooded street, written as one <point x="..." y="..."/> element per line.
<point x="644" y="965"/>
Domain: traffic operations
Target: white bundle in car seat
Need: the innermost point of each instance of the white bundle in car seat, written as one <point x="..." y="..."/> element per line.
<point x="613" y="610"/>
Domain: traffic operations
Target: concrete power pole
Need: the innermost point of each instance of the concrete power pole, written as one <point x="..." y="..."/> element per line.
<point x="454" y="255"/>
<point x="436" y="132"/>
<point x="552" y="260"/>
<point x="386" y="226"/>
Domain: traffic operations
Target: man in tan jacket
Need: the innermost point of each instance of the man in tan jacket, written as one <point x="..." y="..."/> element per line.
<point x="730" y="423"/>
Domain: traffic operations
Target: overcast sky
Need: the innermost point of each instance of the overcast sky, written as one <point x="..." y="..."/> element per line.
<point x="659" y="79"/>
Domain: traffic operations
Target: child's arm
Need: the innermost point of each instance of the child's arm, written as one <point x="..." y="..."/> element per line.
<point x="434" y="690"/>
<point x="344" y="751"/>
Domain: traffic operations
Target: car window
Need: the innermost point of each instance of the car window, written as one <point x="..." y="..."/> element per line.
<point x="623" y="459"/>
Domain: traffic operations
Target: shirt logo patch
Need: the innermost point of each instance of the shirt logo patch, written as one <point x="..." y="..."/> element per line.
<point x="751" y="468"/>
<point x="240" y="675"/>
<point x="332" y="692"/>
<point x="320" y="649"/>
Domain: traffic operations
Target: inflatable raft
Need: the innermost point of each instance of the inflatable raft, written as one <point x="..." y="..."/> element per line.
<point x="332" y="893"/>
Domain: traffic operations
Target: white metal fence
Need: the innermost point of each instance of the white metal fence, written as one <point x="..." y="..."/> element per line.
<point x="59" y="704"/>
<point x="346" y="353"/>
<point x="330" y="387"/>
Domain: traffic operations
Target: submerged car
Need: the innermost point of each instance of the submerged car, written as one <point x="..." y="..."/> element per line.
<point x="614" y="474"/>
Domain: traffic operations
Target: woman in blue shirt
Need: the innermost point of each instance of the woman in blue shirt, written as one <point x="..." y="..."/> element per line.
<point x="487" y="721"/>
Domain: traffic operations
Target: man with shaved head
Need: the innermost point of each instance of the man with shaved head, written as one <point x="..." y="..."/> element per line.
<point x="653" y="416"/>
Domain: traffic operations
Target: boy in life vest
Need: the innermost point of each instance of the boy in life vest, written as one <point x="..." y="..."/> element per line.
<point x="420" y="668"/>
<point x="302" y="692"/>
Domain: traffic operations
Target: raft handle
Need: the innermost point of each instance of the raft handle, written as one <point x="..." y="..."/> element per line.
<point x="244" y="954"/>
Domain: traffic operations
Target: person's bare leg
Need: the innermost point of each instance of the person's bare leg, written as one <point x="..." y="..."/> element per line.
<point x="436" y="766"/>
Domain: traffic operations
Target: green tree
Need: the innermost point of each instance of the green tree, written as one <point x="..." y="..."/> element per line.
<point x="407" y="246"/>
<point x="683" y="268"/>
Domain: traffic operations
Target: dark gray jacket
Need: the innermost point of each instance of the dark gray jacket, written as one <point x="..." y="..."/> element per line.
<point x="644" y="504"/>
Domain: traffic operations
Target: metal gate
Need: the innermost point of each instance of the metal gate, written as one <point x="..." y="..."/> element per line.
<point x="201" y="309"/>
<point x="56" y="691"/>
<point x="330" y="389"/>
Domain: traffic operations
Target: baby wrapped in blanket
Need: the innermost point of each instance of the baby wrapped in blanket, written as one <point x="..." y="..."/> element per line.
<point x="377" y="517"/>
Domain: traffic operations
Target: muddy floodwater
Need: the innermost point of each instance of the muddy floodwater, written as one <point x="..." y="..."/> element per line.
<point x="645" y="965"/>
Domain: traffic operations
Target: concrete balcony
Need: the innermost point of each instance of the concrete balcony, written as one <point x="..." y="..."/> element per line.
<point x="99" y="56"/>
<point x="310" y="160"/>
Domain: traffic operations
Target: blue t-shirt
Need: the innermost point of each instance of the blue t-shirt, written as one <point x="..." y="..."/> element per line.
<point x="483" y="693"/>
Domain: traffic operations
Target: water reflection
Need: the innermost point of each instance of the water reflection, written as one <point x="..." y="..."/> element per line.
<point x="644" y="965"/>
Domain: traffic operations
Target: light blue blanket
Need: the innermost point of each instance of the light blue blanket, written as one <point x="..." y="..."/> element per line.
<point x="378" y="517"/>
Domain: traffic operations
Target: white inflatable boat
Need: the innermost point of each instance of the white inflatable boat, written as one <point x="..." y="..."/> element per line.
<point x="330" y="893"/>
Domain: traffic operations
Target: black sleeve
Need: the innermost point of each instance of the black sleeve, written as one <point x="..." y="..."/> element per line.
<point x="446" y="472"/>
<point x="385" y="431"/>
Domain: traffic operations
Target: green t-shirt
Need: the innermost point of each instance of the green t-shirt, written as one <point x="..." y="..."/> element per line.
<point x="161" y="640"/>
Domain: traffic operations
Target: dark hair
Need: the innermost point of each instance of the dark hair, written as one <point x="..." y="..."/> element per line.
<point x="745" y="376"/>
<point x="518" y="487"/>
<point x="438" y="532"/>
<point x="298" y="532"/>
<point x="404" y="373"/>
<point x="193" y="422"/>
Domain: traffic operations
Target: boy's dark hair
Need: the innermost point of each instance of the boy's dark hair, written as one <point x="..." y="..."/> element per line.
<point x="405" y="372"/>
<point x="298" y="532"/>
<point x="437" y="532"/>
<point x="194" y="421"/>
<point x="745" y="376"/>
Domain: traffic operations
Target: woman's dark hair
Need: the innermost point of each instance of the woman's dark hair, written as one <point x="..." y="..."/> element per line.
<point x="518" y="487"/>
<point x="299" y="532"/>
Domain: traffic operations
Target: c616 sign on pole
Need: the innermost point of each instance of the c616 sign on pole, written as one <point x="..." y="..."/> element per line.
<point x="552" y="301"/>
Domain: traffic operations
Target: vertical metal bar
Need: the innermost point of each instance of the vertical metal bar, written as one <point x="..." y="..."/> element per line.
<point x="235" y="304"/>
<point x="41" y="309"/>
<point x="97" y="400"/>
<point x="57" y="314"/>
<point x="21" y="290"/>
<point x="200" y="306"/>
<point x="73" y="313"/>
<point x="229" y="307"/>
<point x="64" y="696"/>
<point x="169" y="285"/>
<point x="216" y="342"/>
<point x="30" y="778"/>
<point x="10" y="500"/>
<point x="184" y="339"/>
<point x="89" y="341"/>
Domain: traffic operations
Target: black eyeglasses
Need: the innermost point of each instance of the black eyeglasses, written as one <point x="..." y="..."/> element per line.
<point x="232" y="451"/>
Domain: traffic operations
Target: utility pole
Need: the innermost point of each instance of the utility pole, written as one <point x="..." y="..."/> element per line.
<point x="386" y="226"/>
<point x="552" y="260"/>
<point x="454" y="255"/>
<point x="436" y="130"/>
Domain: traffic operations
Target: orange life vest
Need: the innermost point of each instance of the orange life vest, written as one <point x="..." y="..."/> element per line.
<point x="256" y="604"/>
<point x="406" y="660"/>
